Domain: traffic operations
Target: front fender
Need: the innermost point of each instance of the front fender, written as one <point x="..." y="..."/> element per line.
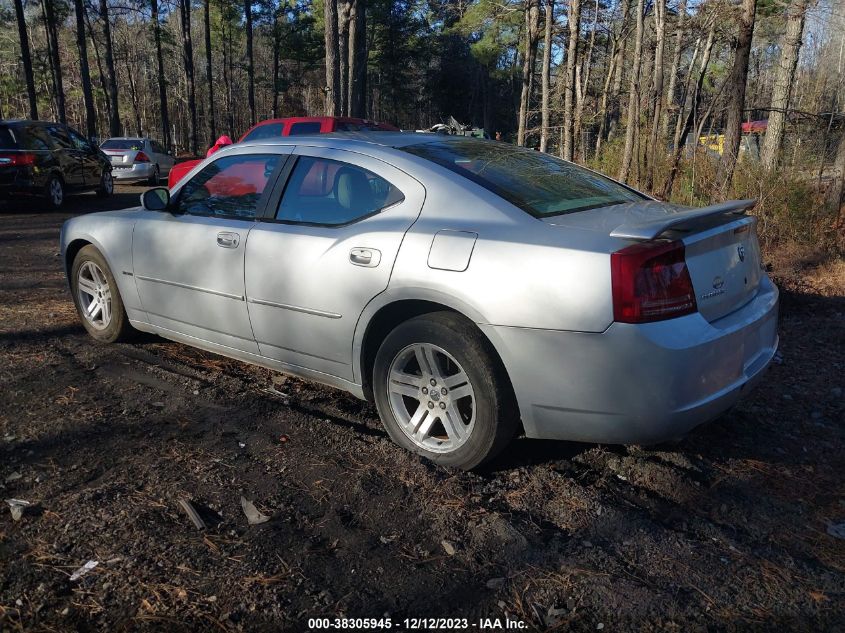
<point x="111" y="234"/>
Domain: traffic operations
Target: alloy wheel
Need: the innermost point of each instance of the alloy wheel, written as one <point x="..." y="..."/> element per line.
<point x="431" y="397"/>
<point x="94" y="295"/>
<point x="57" y="194"/>
<point x="107" y="182"/>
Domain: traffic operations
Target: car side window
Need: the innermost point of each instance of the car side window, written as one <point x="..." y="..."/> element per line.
<point x="158" y="149"/>
<point x="59" y="136"/>
<point x="269" y="130"/>
<point x="78" y="140"/>
<point x="305" y="127"/>
<point x="230" y="186"/>
<point x="36" y="138"/>
<point x="330" y="192"/>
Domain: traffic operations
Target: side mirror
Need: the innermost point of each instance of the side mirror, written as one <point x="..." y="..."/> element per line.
<point x="156" y="199"/>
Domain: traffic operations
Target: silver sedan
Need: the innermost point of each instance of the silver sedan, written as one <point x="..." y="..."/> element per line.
<point x="469" y="288"/>
<point x="138" y="159"/>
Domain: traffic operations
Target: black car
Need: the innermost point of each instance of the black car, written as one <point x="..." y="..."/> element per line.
<point x="49" y="160"/>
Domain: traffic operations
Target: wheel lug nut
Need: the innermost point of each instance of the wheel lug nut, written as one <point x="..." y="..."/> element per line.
<point x="430" y="405"/>
<point x="442" y="405"/>
<point x="433" y="382"/>
<point x="425" y="390"/>
<point x="443" y="391"/>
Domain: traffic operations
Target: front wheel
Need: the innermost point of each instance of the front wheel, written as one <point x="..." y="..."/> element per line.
<point x="97" y="298"/>
<point x="441" y="391"/>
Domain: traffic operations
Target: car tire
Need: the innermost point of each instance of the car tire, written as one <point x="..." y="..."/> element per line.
<point x="106" y="186"/>
<point x="419" y="369"/>
<point x="155" y="178"/>
<point x="54" y="192"/>
<point x="91" y="280"/>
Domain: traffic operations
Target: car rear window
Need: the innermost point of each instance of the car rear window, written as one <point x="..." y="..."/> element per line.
<point x="7" y="138"/>
<point x="305" y="128"/>
<point x="268" y="130"/>
<point x="123" y="143"/>
<point x="536" y="182"/>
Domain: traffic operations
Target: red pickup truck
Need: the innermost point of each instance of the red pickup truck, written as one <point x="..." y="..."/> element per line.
<point x="291" y="126"/>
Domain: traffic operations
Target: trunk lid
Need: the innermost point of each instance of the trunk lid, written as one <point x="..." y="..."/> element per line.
<point x="120" y="157"/>
<point x="722" y="251"/>
<point x="724" y="264"/>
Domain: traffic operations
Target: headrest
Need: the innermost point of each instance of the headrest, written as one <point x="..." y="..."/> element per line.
<point x="353" y="190"/>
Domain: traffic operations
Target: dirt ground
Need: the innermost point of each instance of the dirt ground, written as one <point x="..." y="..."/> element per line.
<point x="727" y="530"/>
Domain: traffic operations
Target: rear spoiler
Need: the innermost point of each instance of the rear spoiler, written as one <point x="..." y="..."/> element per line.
<point x="650" y="229"/>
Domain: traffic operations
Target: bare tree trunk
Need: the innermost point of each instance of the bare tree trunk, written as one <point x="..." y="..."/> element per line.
<point x="614" y="113"/>
<point x="532" y="20"/>
<point x="332" y="54"/>
<point x="583" y="86"/>
<point x="684" y="130"/>
<point x="782" y="87"/>
<point x="277" y="53"/>
<point x="188" y="59"/>
<point x="633" y="98"/>
<point x="85" y="73"/>
<point x="546" y="72"/>
<point x="358" y="59"/>
<point x="209" y="75"/>
<point x="837" y="191"/>
<point x="679" y="122"/>
<point x="133" y="93"/>
<point x="250" y="62"/>
<point x="673" y="71"/>
<point x="162" y="83"/>
<point x="111" y="76"/>
<point x="737" y="80"/>
<point x="100" y="72"/>
<point x="55" y="58"/>
<point x="656" y="89"/>
<point x="602" y="114"/>
<point x="574" y="20"/>
<point x="26" y="59"/>
<point x="343" y="14"/>
<point x="227" y="77"/>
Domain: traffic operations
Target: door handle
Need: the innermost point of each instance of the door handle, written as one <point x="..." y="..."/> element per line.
<point x="228" y="240"/>
<point x="368" y="257"/>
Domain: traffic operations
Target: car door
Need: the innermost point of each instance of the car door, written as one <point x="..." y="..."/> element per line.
<point x="91" y="164"/>
<point x="162" y="158"/>
<point x="189" y="263"/>
<point x="67" y="156"/>
<point x="325" y="251"/>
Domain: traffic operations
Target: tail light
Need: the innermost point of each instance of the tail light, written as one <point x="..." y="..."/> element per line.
<point x="17" y="159"/>
<point x="651" y="282"/>
<point x="141" y="157"/>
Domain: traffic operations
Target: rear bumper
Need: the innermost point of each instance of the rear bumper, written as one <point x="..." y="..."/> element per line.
<point x="135" y="172"/>
<point x="638" y="384"/>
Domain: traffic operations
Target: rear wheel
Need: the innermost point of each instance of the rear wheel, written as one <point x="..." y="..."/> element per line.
<point x="54" y="191"/>
<point x="440" y="391"/>
<point x="97" y="298"/>
<point x="155" y="176"/>
<point x="106" y="187"/>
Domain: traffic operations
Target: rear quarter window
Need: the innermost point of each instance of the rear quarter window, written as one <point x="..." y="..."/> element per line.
<point x="7" y="138"/>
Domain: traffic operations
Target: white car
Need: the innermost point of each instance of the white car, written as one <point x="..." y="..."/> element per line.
<point x="136" y="159"/>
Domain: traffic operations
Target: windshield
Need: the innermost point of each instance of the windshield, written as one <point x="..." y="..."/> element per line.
<point x="123" y="143"/>
<point x="534" y="181"/>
